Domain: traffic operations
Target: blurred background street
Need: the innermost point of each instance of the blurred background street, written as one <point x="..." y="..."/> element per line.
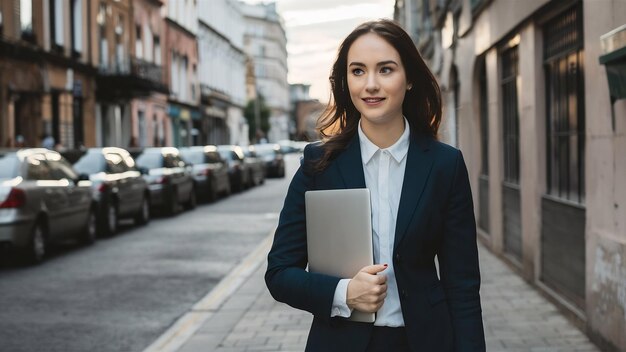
<point x="146" y="147"/>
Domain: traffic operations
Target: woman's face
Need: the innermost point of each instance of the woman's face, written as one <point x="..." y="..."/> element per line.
<point x="376" y="80"/>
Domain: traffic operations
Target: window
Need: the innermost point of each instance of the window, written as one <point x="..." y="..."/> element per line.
<point x="510" y="115"/>
<point x="138" y="42"/>
<point x="564" y="67"/>
<point x="56" y="23"/>
<point x="37" y="168"/>
<point x="148" y="39"/>
<point x="484" y="119"/>
<point x="119" y="44"/>
<point x="174" y="73"/>
<point x="104" y="46"/>
<point x="1" y="23"/>
<point x="77" y="26"/>
<point x="26" y="17"/>
<point x="157" y="50"/>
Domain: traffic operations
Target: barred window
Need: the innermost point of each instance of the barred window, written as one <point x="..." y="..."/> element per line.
<point x="484" y="118"/>
<point x="563" y="62"/>
<point x="510" y="114"/>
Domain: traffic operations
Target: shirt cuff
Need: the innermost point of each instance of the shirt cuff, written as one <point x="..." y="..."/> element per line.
<point x="340" y="306"/>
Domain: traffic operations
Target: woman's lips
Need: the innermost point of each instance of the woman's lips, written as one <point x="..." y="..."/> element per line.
<point x="373" y="101"/>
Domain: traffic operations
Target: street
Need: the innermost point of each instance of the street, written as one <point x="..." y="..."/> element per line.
<point x="123" y="292"/>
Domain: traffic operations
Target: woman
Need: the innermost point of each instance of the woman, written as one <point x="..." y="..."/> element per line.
<point x="385" y="116"/>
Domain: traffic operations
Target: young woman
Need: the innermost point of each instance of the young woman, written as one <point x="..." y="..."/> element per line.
<point x="385" y="114"/>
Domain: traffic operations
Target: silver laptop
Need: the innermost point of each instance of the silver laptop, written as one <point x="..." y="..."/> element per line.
<point x="339" y="235"/>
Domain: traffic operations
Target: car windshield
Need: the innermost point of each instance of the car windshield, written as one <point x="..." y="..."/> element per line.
<point x="193" y="156"/>
<point x="90" y="163"/>
<point x="269" y="150"/>
<point x="150" y="160"/>
<point x="8" y="166"/>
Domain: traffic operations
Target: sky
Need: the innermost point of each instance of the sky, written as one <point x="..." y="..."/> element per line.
<point x="315" y="28"/>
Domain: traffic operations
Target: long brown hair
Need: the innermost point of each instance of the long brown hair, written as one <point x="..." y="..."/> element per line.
<point x="421" y="105"/>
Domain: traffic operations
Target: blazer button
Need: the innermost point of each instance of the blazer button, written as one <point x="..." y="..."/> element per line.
<point x="404" y="294"/>
<point x="398" y="257"/>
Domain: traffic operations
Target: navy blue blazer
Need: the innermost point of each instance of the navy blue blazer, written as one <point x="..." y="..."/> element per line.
<point x="435" y="217"/>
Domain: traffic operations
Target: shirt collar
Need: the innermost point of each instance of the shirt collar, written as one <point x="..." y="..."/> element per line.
<point x="398" y="150"/>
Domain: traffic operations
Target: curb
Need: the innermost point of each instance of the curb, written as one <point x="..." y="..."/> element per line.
<point x="184" y="328"/>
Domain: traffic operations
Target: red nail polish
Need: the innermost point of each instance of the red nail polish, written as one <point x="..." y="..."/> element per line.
<point x="385" y="265"/>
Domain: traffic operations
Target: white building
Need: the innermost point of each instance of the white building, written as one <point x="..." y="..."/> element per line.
<point x="222" y="71"/>
<point x="265" y="42"/>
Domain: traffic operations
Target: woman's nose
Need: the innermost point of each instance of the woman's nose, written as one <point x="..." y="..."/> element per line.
<point x="372" y="84"/>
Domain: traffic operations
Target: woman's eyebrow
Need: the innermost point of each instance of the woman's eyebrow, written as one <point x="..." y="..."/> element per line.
<point x="382" y="63"/>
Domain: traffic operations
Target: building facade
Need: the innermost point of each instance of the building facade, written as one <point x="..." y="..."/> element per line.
<point x="181" y="67"/>
<point x="46" y="73"/>
<point x="265" y="42"/>
<point x="222" y="72"/>
<point x="527" y="100"/>
<point x="150" y="124"/>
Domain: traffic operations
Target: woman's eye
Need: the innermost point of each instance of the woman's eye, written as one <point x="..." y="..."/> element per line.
<point x="357" y="72"/>
<point x="386" y="70"/>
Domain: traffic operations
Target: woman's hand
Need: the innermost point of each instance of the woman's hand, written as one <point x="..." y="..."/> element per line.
<point x="366" y="290"/>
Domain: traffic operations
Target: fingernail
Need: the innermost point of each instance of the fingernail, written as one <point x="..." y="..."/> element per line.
<point x="385" y="265"/>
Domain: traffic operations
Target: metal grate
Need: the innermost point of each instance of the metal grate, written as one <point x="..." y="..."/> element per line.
<point x="565" y="111"/>
<point x="564" y="33"/>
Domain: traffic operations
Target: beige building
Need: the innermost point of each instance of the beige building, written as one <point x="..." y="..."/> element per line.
<point x="46" y="76"/>
<point x="528" y="102"/>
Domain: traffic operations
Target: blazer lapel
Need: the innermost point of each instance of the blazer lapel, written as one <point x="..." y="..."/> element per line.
<point x="350" y="165"/>
<point x="418" y="165"/>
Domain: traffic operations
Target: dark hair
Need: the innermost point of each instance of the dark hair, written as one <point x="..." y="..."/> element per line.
<point x="421" y="105"/>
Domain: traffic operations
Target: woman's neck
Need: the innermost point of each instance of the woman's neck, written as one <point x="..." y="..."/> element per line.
<point x="383" y="135"/>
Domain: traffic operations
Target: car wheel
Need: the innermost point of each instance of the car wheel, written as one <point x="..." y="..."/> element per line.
<point x="143" y="216"/>
<point x="89" y="232"/>
<point x="38" y="246"/>
<point x="109" y="225"/>
<point x="192" y="202"/>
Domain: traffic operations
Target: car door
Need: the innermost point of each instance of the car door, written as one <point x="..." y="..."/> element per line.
<point x="135" y="182"/>
<point x="53" y="197"/>
<point x="116" y="168"/>
<point x="78" y="205"/>
<point x="186" y="177"/>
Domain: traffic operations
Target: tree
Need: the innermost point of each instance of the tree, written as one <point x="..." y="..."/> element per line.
<point x="264" y="117"/>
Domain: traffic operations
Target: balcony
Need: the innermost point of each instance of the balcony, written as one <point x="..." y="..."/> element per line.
<point x="130" y="78"/>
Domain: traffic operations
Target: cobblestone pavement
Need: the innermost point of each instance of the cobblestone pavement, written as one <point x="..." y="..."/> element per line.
<point x="516" y="318"/>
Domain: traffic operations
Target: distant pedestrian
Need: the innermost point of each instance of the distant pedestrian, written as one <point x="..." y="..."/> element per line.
<point x="19" y="141"/>
<point x="385" y="114"/>
<point x="47" y="141"/>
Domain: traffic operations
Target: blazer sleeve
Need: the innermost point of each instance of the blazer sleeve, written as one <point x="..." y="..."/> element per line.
<point x="458" y="263"/>
<point x="286" y="277"/>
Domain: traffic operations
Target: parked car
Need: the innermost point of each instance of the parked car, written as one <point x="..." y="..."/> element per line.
<point x="118" y="187"/>
<point x="273" y="157"/>
<point x="43" y="200"/>
<point x="255" y="166"/>
<point x="169" y="179"/>
<point x="237" y="170"/>
<point x="210" y="171"/>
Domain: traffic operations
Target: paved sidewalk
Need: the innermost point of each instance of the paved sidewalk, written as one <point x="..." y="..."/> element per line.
<point x="516" y="317"/>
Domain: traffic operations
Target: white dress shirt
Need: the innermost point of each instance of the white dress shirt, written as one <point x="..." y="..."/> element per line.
<point x="384" y="175"/>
